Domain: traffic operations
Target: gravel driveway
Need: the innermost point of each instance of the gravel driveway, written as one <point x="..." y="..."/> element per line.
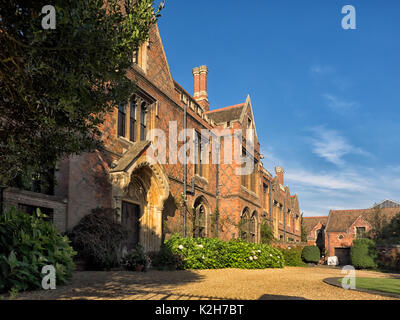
<point x="276" y="284"/>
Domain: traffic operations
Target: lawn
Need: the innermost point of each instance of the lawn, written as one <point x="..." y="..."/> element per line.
<point x="378" y="284"/>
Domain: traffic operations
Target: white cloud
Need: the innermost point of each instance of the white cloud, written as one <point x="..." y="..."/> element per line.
<point x="345" y="187"/>
<point x="321" y="70"/>
<point x="331" y="146"/>
<point x="339" y="105"/>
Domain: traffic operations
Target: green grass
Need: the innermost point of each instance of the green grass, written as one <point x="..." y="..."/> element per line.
<point x="378" y="284"/>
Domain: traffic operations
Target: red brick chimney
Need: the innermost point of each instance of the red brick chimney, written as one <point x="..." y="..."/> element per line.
<point x="200" y="86"/>
<point x="279" y="173"/>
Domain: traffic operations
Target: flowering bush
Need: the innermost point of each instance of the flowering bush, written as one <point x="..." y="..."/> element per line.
<point x="210" y="253"/>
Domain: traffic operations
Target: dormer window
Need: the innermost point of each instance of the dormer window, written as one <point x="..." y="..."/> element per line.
<point x="139" y="56"/>
<point x="249" y="123"/>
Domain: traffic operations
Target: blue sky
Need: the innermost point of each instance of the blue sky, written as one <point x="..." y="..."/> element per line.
<point x="326" y="100"/>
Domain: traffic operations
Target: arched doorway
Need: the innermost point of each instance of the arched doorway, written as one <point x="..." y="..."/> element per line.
<point x="200" y="214"/>
<point x="139" y="193"/>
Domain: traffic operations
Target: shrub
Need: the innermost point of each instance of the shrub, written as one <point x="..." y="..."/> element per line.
<point x="27" y="243"/>
<point x="267" y="235"/>
<point x="292" y="256"/>
<point x="165" y="259"/>
<point x="364" y="254"/>
<point x="98" y="239"/>
<point x="311" y="254"/>
<point x="135" y="258"/>
<point x="209" y="253"/>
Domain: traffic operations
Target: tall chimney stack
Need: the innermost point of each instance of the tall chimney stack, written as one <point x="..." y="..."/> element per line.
<point x="200" y="86"/>
<point x="279" y="173"/>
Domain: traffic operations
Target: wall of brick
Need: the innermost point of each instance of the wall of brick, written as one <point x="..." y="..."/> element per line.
<point x="14" y="197"/>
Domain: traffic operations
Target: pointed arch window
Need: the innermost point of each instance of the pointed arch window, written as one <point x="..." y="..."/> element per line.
<point x="199" y="222"/>
<point x="132" y="120"/>
<point x="121" y="119"/>
<point x="143" y="117"/>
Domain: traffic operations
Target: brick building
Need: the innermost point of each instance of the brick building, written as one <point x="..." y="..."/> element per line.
<point x="344" y="226"/>
<point x="315" y="230"/>
<point x="147" y="196"/>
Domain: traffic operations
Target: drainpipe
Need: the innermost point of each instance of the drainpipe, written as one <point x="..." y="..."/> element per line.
<point x="217" y="195"/>
<point x="284" y="219"/>
<point x="184" y="173"/>
<point x="270" y="204"/>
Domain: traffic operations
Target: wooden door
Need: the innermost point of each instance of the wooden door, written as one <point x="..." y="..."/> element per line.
<point x="130" y="221"/>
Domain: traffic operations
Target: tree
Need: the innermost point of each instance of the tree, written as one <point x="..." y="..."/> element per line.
<point x="267" y="235"/>
<point x="378" y="222"/>
<point x="391" y="231"/>
<point x="57" y="84"/>
<point x="303" y="230"/>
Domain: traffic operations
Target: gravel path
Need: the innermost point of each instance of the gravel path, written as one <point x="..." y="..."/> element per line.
<point x="276" y="284"/>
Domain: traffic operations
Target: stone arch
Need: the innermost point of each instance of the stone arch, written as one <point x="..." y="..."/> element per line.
<point x="201" y="213"/>
<point x="142" y="184"/>
<point x="244" y="223"/>
<point x="254" y="226"/>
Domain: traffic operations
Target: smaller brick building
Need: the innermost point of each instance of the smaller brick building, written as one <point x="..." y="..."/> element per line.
<point x="344" y="226"/>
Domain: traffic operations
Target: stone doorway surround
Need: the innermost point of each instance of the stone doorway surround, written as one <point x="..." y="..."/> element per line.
<point x="138" y="179"/>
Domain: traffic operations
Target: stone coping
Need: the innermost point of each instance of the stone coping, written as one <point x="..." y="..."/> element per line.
<point x="335" y="282"/>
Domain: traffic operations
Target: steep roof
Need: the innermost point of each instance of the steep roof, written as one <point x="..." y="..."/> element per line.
<point x="226" y="114"/>
<point x="311" y="222"/>
<point x="130" y="156"/>
<point x="387" y="204"/>
<point x="341" y="220"/>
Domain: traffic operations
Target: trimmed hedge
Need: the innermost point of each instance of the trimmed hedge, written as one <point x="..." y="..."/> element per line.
<point x="211" y="253"/>
<point x="27" y="244"/>
<point x="311" y="254"/>
<point x="292" y="256"/>
<point x="364" y="254"/>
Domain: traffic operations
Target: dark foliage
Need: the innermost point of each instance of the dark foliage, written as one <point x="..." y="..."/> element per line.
<point x="364" y="254"/>
<point x="27" y="244"/>
<point x="98" y="239"/>
<point x="311" y="254"/>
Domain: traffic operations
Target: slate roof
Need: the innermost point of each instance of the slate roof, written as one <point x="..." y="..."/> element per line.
<point x="226" y="114"/>
<point x="341" y="220"/>
<point x="310" y="222"/>
<point x="130" y="156"/>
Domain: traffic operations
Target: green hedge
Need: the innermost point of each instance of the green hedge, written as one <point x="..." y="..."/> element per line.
<point x="27" y="243"/>
<point x="292" y="256"/>
<point x="364" y="254"/>
<point x="209" y="253"/>
<point x="311" y="254"/>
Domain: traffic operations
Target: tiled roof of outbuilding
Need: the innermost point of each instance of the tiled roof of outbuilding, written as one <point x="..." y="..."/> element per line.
<point x="311" y="222"/>
<point x="341" y="220"/>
